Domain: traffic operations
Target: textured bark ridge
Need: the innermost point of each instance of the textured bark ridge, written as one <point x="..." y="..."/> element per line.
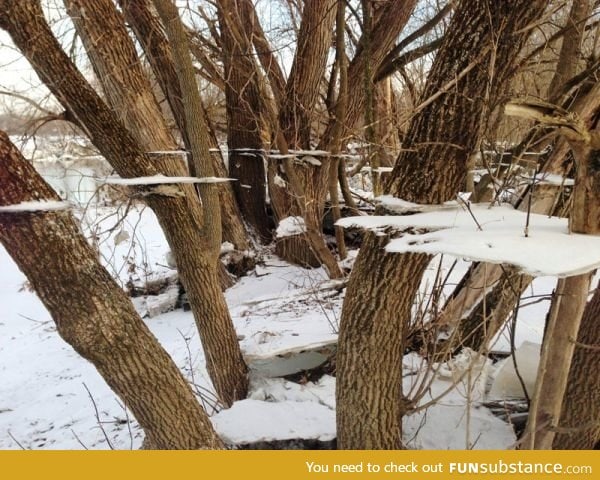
<point x="430" y="170"/>
<point x="181" y="217"/>
<point x="93" y="314"/>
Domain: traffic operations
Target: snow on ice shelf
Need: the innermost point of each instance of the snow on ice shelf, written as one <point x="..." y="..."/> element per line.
<point x="161" y="179"/>
<point x="548" y="250"/>
<point x="35" y="206"/>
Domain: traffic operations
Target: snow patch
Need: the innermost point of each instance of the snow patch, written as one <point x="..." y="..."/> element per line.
<point x="279" y="181"/>
<point x="506" y="383"/>
<point x="290" y="226"/>
<point x="250" y="421"/>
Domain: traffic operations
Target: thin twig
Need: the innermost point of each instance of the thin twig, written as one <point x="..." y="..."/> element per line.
<point x="16" y="441"/>
<point x="97" y="415"/>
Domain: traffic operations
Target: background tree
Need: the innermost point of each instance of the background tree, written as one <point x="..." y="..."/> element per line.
<point x="244" y="118"/>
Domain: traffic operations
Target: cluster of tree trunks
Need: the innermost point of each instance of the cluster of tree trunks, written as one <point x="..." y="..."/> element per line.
<point x="477" y="58"/>
<point x="181" y="216"/>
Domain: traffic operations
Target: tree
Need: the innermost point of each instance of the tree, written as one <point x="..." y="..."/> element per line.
<point x="191" y="229"/>
<point x="244" y="105"/>
<point x="578" y="428"/>
<point x="431" y="169"/>
<point x="568" y="303"/>
<point x="479" y="308"/>
<point x="92" y="313"/>
<point x="149" y="32"/>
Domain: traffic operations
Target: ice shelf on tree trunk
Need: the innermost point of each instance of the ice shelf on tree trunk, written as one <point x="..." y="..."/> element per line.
<point x="35" y="206"/>
<point x="490" y="234"/>
<point x="162" y="179"/>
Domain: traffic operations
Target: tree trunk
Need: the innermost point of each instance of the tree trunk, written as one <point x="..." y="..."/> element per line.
<point x="149" y="32"/>
<point x="308" y="184"/>
<point x="570" y="52"/>
<point x="579" y="428"/>
<point x="477" y="329"/>
<point x="389" y="20"/>
<point x="431" y="169"/>
<point x="244" y="105"/>
<point x="93" y="314"/>
<point x="567" y="307"/>
<point x="230" y="375"/>
<point x="180" y="215"/>
<point x="369" y="399"/>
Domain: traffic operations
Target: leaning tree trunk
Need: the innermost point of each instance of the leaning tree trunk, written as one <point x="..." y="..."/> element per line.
<point x="431" y="169"/>
<point x="232" y="375"/>
<point x="179" y="213"/>
<point x="579" y="428"/>
<point x="93" y="314"/>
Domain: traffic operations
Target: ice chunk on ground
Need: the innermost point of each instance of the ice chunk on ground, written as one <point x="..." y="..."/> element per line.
<point x="506" y="383"/>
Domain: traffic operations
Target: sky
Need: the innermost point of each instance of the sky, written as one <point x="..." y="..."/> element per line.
<point x="15" y="71"/>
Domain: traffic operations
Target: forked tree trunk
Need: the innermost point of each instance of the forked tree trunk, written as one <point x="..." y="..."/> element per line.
<point x="149" y="32"/>
<point x="93" y="314"/>
<point x="430" y="170"/>
<point x="308" y="188"/>
<point x="180" y="215"/>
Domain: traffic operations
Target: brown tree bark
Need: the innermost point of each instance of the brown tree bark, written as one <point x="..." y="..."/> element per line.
<point x="570" y="52"/>
<point x="307" y="188"/>
<point x="389" y="20"/>
<point x="579" y="428"/>
<point x="339" y="112"/>
<point x="149" y="32"/>
<point x="244" y="105"/>
<point x="431" y="169"/>
<point x="231" y="377"/>
<point x="180" y="215"/>
<point x="94" y="315"/>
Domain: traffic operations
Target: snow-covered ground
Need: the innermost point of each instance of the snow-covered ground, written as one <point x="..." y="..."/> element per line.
<point x="50" y="398"/>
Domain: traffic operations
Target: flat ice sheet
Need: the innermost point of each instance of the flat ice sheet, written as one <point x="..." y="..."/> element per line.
<point x="548" y="250"/>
